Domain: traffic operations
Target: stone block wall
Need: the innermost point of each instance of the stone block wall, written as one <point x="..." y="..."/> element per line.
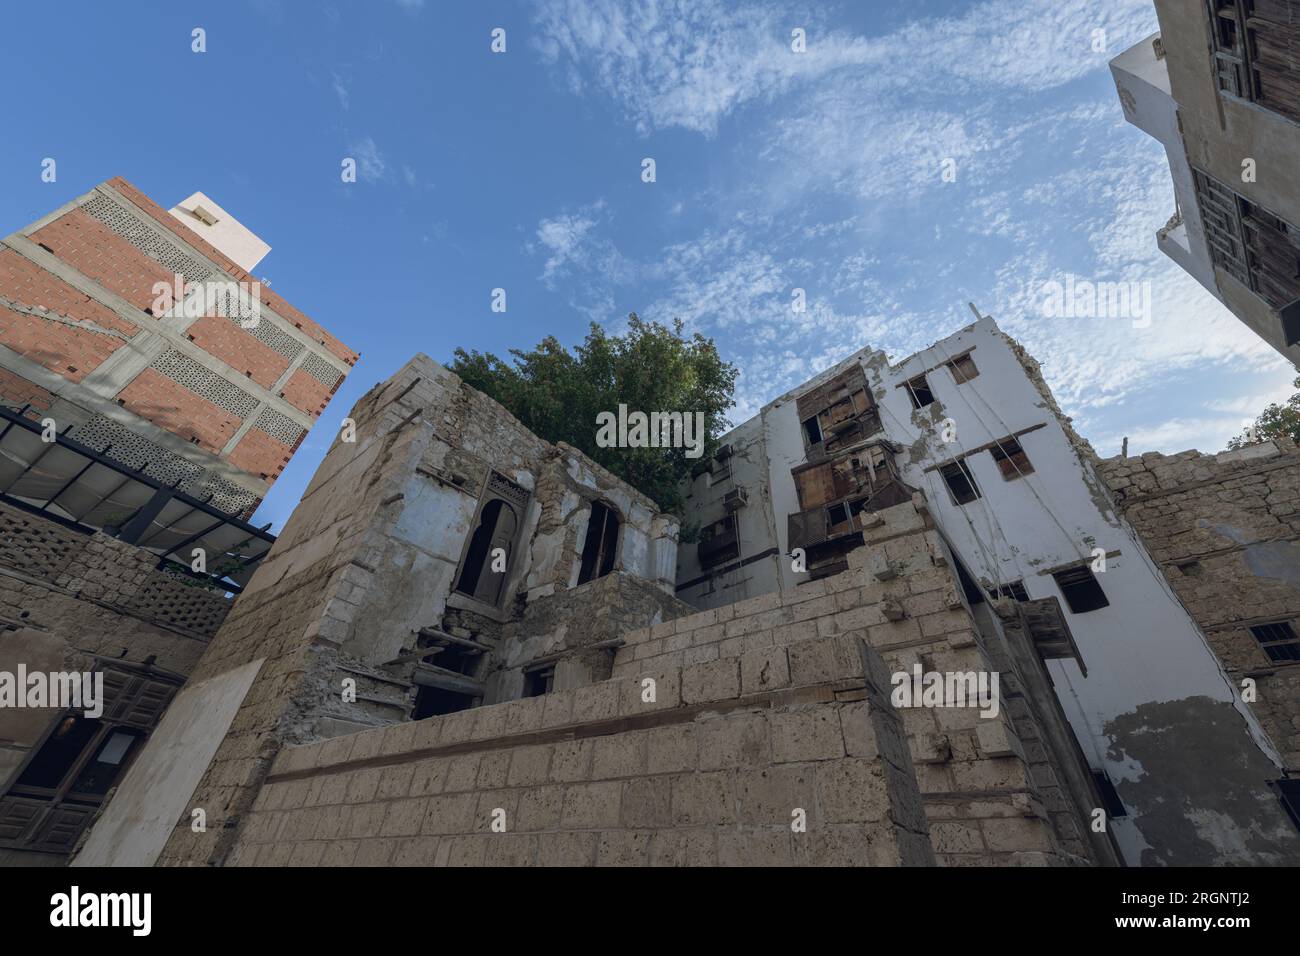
<point x="761" y="709"/>
<point x="557" y="628"/>
<point x="597" y="776"/>
<point x="902" y="599"/>
<point x="1225" y="529"/>
<point x="46" y="569"/>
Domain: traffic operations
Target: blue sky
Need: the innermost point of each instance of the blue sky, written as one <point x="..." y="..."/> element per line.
<point x="774" y="170"/>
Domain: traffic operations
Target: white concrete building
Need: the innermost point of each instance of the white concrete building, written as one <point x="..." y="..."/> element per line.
<point x="969" y="424"/>
<point x="1219" y="87"/>
<point x="1142" y="81"/>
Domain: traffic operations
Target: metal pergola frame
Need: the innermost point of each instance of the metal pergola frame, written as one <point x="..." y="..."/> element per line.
<point x="160" y="518"/>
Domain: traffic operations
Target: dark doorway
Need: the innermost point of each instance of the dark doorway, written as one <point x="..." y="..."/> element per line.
<point x="601" y="545"/>
<point x="435" y="701"/>
<point x="496" y="530"/>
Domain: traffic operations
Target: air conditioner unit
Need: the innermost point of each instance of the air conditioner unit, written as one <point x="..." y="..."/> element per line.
<point x="735" y="499"/>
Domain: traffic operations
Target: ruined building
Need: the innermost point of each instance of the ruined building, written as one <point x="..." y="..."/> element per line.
<point x="443" y="558"/>
<point x="464" y="648"/>
<point x="792" y="496"/>
<point x="469" y="646"/>
<point x="1219" y="87"/>
<point x="134" y="444"/>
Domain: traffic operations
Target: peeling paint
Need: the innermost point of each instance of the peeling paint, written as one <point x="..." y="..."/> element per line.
<point x="1189" y="816"/>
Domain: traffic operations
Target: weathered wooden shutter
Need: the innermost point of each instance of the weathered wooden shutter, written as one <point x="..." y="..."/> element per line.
<point x="806" y="528"/>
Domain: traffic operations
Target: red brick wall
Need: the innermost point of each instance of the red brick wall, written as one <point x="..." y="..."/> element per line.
<point x="24" y="281"/>
<point x="17" y="391"/>
<point x="171" y="406"/>
<point x="200" y="244"/>
<point x="94" y="250"/>
<point x="305" y="392"/>
<point x="64" y="349"/>
<point x="260" y="454"/>
<point x="317" y="333"/>
<point x="227" y="341"/>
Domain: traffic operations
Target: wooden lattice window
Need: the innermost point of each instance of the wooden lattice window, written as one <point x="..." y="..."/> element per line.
<point x="1278" y="640"/>
<point x="838" y="414"/>
<point x="490" y="553"/>
<point x="65" y="779"/>
<point x="719" y="543"/>
<point x="963" y="368"/>
<point x="1257" y="52"/>
<point x="1257" y="248"/>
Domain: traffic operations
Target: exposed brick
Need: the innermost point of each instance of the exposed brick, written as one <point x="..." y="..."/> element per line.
<point x="156" y="398"/>
<point x="97" y="252"/>
<point x="259" y="454"/>
<point x="239" y="349"/>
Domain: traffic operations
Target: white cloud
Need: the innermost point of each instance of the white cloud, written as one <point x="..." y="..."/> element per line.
<point x="562" y="237"/>
<point x="690" y="63"/>
<point x="834" y="186"/>
<point x="1250" y="406"/>
<point x="580" y="261"/>
<point x="340" y="88"/>
<point x="1169" y="437"/>
<point x="371" y="164"/>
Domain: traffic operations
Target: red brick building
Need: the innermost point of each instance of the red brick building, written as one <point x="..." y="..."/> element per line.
<point x="206" y="399"/>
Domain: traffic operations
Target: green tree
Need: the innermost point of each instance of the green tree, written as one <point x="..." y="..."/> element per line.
<point x="652" y="368"/>
<point x="1276" y="421"/>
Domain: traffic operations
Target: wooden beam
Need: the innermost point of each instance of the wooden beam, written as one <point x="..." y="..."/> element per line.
<point x="446" y="639"/>
<point x="452" y="639"/>
<point x="613" y="644"/>
<point x="430" y="675"/>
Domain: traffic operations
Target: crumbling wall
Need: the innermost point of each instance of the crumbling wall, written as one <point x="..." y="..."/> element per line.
<point x="459" y="439"/>
<point x="368" y="560"/>
<point x="577" y="630"/>
<point x="763" y="712"/>
<point x="1056" y="763"/>
<point x="299" y="609"/>
<point x="1226" y="531"/>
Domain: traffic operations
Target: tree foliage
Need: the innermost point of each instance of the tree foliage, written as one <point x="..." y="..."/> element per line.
<point x="557" y="394"/>
<point x="1276" y="421"/>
